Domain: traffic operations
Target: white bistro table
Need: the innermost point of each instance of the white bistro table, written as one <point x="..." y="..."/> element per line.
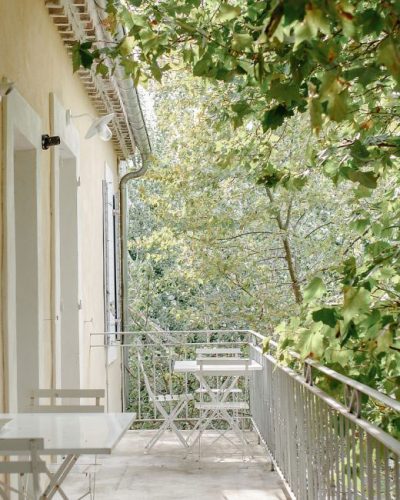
<point x="69" y="435"/>
<point x="231" y="372"/>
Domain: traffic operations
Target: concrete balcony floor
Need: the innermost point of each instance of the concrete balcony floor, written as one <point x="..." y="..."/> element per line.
<point x="164" y="474"/>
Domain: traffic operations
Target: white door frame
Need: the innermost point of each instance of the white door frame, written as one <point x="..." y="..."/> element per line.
<point x="19" y="119"/>
<point x="66" y="356"/>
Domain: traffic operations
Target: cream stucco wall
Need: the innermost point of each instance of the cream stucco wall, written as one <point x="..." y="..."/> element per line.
<point x="34" y="57"/>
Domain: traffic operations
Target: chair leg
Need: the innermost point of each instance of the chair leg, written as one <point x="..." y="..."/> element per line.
<point x="3" y="494"/>
<point x="168" y="424"/>
<point x="155" y="438"/>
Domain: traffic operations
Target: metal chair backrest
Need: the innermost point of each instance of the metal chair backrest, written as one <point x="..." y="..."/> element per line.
<point x="57" y="405"/>
<point x="203" y="352"/>
<point x="31" y="448"/>
<point x="149" y="390"/>
<point x="224" y="361"/>
<point x="214" y="362"/>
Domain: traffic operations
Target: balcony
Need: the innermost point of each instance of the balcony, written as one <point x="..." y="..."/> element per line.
<point x="319" y="445"/>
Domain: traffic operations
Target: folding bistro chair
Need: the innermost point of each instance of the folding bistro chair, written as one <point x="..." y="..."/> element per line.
<point x="175" y="403"/>
<point x="30" y="464"/>
<point x="219" y="406"/>
<point x="213" y="353"/>
<point x="69" y="401"/>
<point x="218" y="352"/>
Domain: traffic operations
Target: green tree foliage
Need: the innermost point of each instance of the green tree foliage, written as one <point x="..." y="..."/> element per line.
<point x="280" y="69"/>
<point x="208" y="238"/>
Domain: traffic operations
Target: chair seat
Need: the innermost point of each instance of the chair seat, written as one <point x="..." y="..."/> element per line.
<point x="231" y="405"/>
<point x="236" y="390"/>
<point x="173" y="397"/>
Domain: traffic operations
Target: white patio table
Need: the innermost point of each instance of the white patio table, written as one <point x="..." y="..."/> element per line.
<point x="231" y="372"/>
<point x="69" y="435"/>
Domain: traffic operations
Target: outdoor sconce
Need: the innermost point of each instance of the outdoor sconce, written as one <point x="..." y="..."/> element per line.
<point x="98" y="127"/>
<point x="49" y="141"/>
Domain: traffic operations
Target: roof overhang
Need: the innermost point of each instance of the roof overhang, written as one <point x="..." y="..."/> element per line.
<point x="79" y="20"/>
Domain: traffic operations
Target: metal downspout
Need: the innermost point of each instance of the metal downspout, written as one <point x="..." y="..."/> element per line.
<point x="136" y="174"/>
<point x="139" y="135"/>
<point x="124" y="232"/>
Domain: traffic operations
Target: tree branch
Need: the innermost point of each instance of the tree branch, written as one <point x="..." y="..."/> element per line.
<point x="243" y="234"/>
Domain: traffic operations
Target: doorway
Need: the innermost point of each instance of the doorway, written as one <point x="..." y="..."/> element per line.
<point x="66" y="301"/>
<point x="21" y="280"/>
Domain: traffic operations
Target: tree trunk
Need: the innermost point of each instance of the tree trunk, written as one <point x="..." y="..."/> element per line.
<point x="288" y="253"/>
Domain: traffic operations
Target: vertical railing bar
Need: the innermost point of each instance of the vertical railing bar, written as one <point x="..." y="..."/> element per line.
<point x="139" y="385"/>
<point x="185" y="353"/>
<point x="354" y="459"/>
<point x="311" y="470"/>
<point x="293" y="415"/>
<point x="370" y="473"/>
<point x="154" y="382"/>
<point x="302" y="458"/>
<point x="170" y="371"/>
<point x="386" y="471"/>
<point x="316" y="448"/>
<point x="329" y="454"/>
<point x="323" y="447"/>
<point x="333" y="484"/>
<point x="342" y="455"/>
<point x="361" y="462"/>
<point x="289" y="428"/>
<point x="378" y="470"/>
<point x="348" y="459"/>
<point x="283" y="392"/>
<point x="337" y="454"/>
<point x="317" y="445"/>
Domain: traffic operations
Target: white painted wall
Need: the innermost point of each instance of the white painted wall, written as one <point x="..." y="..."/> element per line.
<point x="29" y="109"/>
<point x="70" y="300"/>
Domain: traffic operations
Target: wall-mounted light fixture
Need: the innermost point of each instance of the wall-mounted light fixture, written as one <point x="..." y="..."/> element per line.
<point x="6" y="87"/>
<point x="98" y="127"/>
<point x="50" y="140"/>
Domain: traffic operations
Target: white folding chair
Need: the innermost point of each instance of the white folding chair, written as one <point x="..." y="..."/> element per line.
<point x="219" y="407"/>
<point x="212" y="353"/>
<point x="30" y="463"/>
<point x="228" y="353"/>
<point x="69" y="401"/>
<point x="175" y="403"/>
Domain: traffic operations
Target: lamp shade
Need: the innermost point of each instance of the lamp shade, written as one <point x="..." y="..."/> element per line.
<point x="100" y="127"/>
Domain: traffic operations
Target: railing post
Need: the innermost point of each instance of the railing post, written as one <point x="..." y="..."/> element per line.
<point x="308" y="375"/>
<point x="352" y="399"/>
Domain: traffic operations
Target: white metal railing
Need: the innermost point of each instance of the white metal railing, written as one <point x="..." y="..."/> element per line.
<point x="160" y="350"/>
<point x="322" y="446"/>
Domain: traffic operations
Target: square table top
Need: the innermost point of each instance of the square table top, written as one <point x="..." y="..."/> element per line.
<point x="70" y="433"/>
<point x="191" y="366"/>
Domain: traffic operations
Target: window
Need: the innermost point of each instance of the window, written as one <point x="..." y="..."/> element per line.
<point x="111" y="258"/>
